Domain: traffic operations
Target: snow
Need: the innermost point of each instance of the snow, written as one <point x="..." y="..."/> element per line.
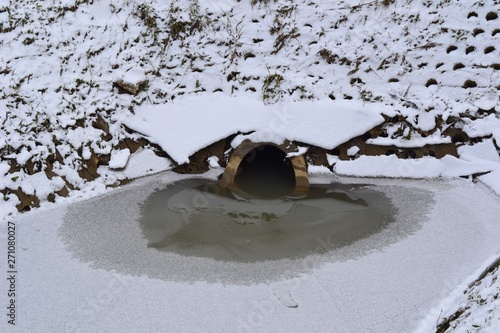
<point x="133" y="76"/>
<point x="427" y="167"/>
<point x="183" y="127"/>
<point x="37" y="183"/>
<point x="8" y="205"/>
<point x="489" y="125"/>
<point x="492" y="180"/>
<point x="4" y="168"/>
<point x="415" y="142"/>
<point x="485" y="150"/>
<point x="426" y="121"/>
<point x="487" y="102"/>
<point x="40" y="185"/>
<point x="332" y="159"/>
<point x="353" y="151"/>
<point x="479" y="300"/>
<point x="300" y="151"/>
<point x="263" y="135"/>
<point x="23" y="156"/>
<point x="86" y="153"/>
<point x="119" y="158"/>
<point x="317" y="169"/>
<point x="353" y="66"/>
<point x="141" y="163"/>
<point x="213" y="162"/>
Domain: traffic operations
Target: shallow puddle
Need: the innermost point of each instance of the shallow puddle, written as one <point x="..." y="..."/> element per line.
<point x="196" y="217"/>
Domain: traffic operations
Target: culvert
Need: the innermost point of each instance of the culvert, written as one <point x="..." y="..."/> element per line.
<point x="265" y="169"/>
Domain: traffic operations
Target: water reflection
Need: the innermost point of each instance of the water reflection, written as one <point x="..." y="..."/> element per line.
<point x="196" y="217"/>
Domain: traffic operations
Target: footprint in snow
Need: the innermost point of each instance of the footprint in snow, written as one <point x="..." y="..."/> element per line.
<point x="285" y="298"/>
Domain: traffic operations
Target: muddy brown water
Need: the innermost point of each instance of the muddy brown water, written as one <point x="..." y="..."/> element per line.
<point x="196" y="217"/>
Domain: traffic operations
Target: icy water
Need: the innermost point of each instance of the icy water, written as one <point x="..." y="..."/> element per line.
<point x="196" y="217"/>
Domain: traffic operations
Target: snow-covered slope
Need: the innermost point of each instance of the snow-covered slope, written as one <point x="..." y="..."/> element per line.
<point x="71" y="70"/>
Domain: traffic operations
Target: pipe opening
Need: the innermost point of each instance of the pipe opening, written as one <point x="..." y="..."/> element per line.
<point x="266" y="172"/>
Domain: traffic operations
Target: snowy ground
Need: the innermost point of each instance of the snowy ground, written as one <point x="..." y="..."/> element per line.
<point x="71" y="279"/>
<point x="82" y="81"/>
<point x="471" y="307"/>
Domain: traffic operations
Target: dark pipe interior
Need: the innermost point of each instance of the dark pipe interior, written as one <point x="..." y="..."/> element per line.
<point x="266" y="172"/>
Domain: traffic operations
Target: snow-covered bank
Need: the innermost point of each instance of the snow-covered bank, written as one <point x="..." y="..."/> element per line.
<point x="472" y="306"/>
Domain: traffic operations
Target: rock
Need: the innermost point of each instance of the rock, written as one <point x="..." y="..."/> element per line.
<point x="133" y="81"/>
<point x="101" y="124"/>
<point x="27" y="201"/>
<point x="198" y="162"/>
<point x="119" y="158"/>
<point x="132" y="145"/>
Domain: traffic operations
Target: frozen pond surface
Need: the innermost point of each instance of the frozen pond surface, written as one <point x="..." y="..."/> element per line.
<point x="91" y="266"/>
<point x="196" y="217"/>
<point x="210" y="234"/>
